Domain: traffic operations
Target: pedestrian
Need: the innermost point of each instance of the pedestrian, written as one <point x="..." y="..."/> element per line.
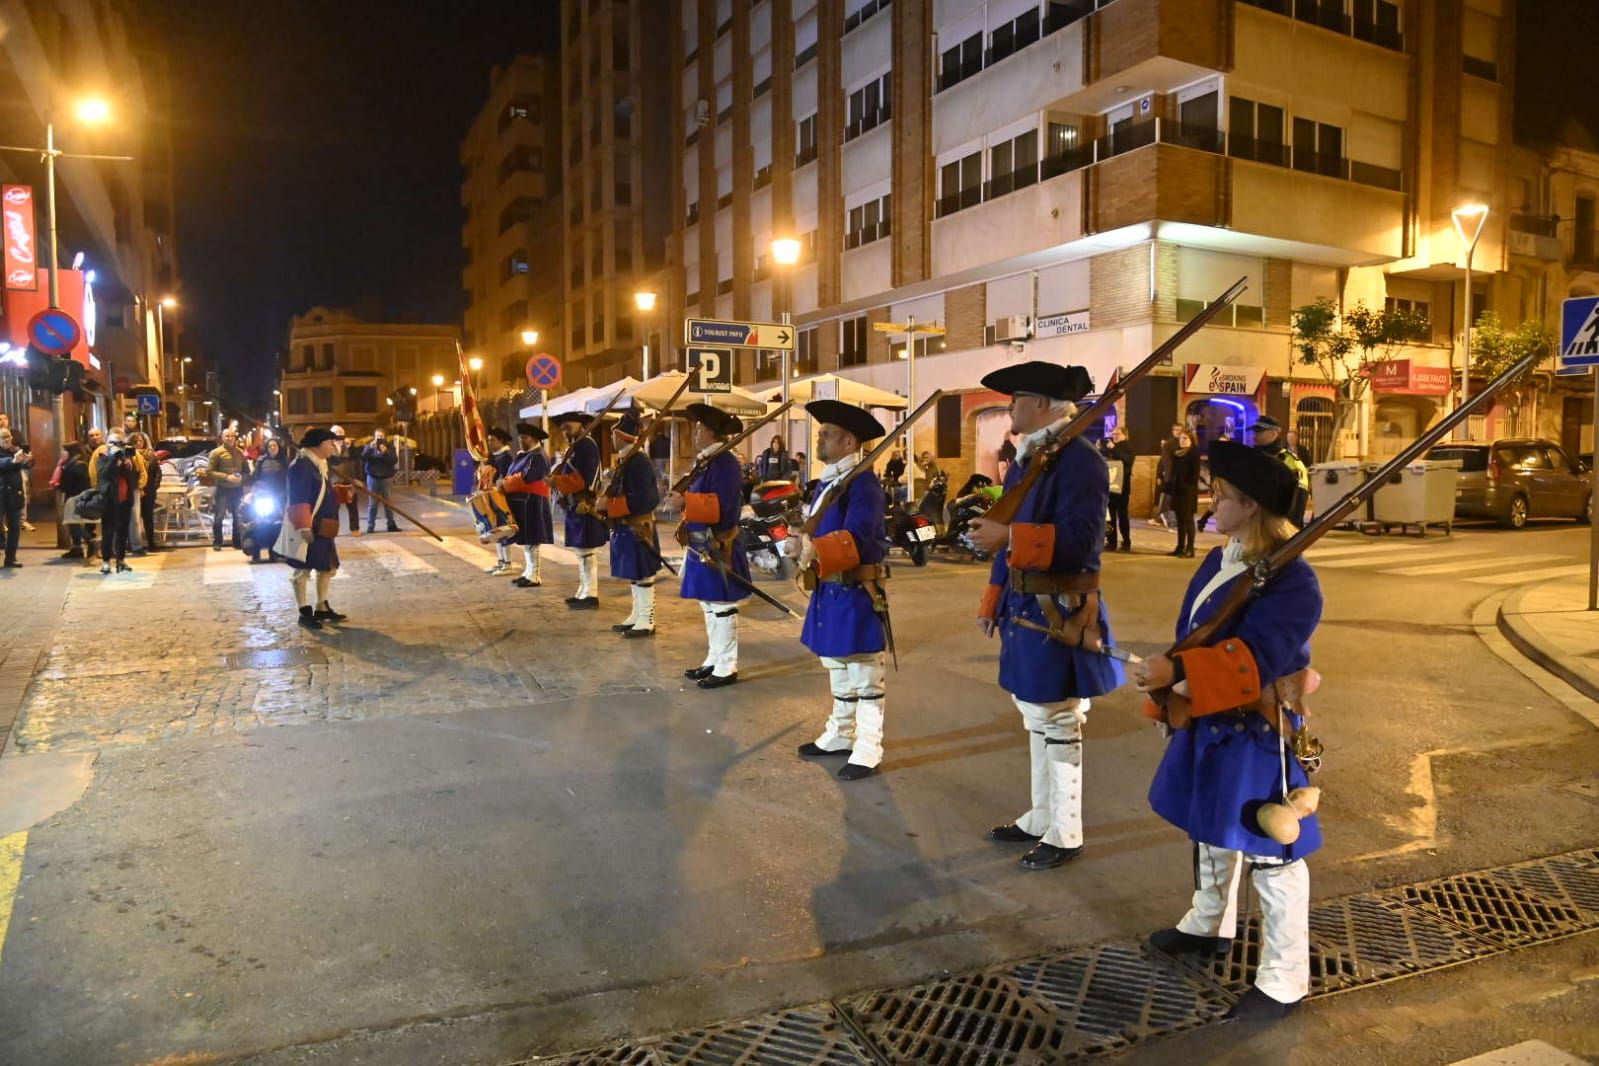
<point x="709" y="530"/>
<point x="1268" y="439"/>
<point x="1302" y="453"/>
<point x="1210" y="512"/>
<point x="1121" y="452"/>
<point x="802" y="468"/>
<point x="16" y="466"/>
<point x="380" y="461"/>
<point x="774" y="463"/>
<point x="894" y="474"/>
<point x="312" y="511"/>
<point x="27" y="488"/>
<point x="527" y="490"/>
<point x="1223" y="761"/>
<point x="575" y="477"/>
<point x="269" y="480"/>
<point x="226" y="468"/>
<point x="73" y="483"/>
<point x="345" y="469"/>
<point x="130" y="425"/>
<point x="1046" y="572"/>
<point x="150" y="460"/>
<point x="120" y="477"/>
<point x="1162" y="486"/>
<point x="630" y="503"/>
<point x="846" y="621"/>
<point x="1184" y="491"/>
<point x="493" y="510"/>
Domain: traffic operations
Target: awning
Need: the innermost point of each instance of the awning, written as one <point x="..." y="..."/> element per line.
<point x="801" y="392"/>
<point x="655" y="392"/>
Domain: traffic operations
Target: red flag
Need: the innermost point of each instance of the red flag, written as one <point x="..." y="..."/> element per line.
<point x="477" y="438"/>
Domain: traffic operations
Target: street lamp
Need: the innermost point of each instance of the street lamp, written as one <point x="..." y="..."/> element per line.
<point x="645" y="302"/>
<point x="786" y="253"/>
<point x="1466" y="217"/>
<point x="530" y="337"/>
<point x="438" y="383"/>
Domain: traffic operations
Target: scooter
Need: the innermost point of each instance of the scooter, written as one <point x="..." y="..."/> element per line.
<point x="764" y="532"/>
<point x="974" y="499"/>
<point x="910" y="531"/>
<point x="260" y="519"/>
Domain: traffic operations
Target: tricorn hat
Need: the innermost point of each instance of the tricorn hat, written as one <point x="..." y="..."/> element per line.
<point x="500" y="433"/>
<point x="1041" y="379"/>
<point x="530" y="429"/>
<point x="316" y="435"/>
<point x="714" y="419"/>
<point x="628" y="425"/>
<point x="856" y="421"/>
<point x="582" y="417"/>
<point x="1263" y="478"/>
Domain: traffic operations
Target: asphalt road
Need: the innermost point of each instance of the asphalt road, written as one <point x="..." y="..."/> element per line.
<point x="471" y="825"/>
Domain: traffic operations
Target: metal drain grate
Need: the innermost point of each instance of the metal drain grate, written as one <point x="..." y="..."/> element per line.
<point x="1331" y="968"/>
<point x="976" y="1020"/>
<point x="625" y="1055"/>
<point x="1385" y="938"/>
<point x="1116" y="994"/>
<point x="1492" y="909"/>
<point x="807" y="1036"/>
<point x="1570" y="880"/>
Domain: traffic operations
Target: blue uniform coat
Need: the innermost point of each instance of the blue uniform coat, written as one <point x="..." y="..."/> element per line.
<point x="631" y="560"/>
<point x="534" y="522"/>
<point x="305" y="484"/>
<point x="584" y="531"/>
<point x="1072" y="497"/>
<point x="725" y="478"/>
<point x="839" y="620"/>
<point x="1217" y="770"/>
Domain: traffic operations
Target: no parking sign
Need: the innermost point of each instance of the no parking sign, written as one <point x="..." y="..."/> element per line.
<point x="544" y="371"/>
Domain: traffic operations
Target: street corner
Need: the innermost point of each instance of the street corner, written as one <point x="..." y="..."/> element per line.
<point x="1551" y="624"/>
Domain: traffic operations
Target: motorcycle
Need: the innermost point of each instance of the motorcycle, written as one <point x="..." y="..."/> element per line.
<point x="260" y="518"/>
<point x="910" y="531"/>
<point x="954" y="520"/>
<point x="764" y="532"/>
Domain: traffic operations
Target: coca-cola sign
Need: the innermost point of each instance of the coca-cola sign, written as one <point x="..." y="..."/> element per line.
<point x="22" y="264"/>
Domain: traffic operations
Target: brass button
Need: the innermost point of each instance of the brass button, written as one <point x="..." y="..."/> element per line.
<point x="1239" y="728"/>
<point x="1229" y="647"/>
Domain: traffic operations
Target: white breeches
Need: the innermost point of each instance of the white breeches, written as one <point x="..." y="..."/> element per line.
<point x="721" y="636"/>
<point x="302" y="581"/>
<point x="857" y="719"/>
<point x="1284" y="891"/>
<point x="530" y="561"/>
<point x="588" y="573"/>
<point x="1055" y="748"/>
<point x="642" y="616"/>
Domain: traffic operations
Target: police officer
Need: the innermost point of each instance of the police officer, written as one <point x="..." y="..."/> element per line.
<point x="1046" y="571"/>
<point x="527" y="489"/>
<point x="1269" y="439"/>
<point x="709" y="531"/>
<point x="630" y="504"/>
<point x="843" y="560"/>
<point x="575" y="477"/>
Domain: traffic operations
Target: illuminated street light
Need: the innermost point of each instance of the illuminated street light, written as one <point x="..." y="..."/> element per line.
<point x="530" y="337"/>
<point x="475" y="363"/>
<point x="438" y="380"/>
<point x="644" y="301"/>
<point x="786" y="251"/>
<point x="92" y="111"/>
<point x="1474" y="216"/>
<point x="169" y="302"/>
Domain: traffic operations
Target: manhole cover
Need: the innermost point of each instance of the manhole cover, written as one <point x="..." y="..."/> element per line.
<point x="275" y="658"/>
<point x="809" y="1036"/>
<point x="626" y="1055"/>
<point x="1493" y="909"/>
<point x="1572" y="881"/>
<point x="975" y="1020"/>
<point x="1386" y="938"/>
<point x="1330" y="968"/>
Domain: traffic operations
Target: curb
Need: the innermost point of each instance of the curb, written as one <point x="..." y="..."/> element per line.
<point x="1526" y="639"/>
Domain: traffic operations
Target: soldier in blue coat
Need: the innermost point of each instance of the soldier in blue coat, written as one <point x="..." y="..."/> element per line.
<point x="1229" y="752"/>
<point x="496" y="467"/>
<point x="576" y="477"/>
<point x="527" y="487"/>
<point x="1046" y="570"/>
<point x="711" y="509"/>
<point x="312" y="509"/>
<point x="844" y="622"/>
<point x="630" y="504"/>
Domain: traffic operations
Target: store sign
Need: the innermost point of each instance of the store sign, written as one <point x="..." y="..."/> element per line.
<point x="1403" y="377"/>
<point x="1213" y="379"/>
<point x="1061" y="325"/>
<point x="22" y="266"/>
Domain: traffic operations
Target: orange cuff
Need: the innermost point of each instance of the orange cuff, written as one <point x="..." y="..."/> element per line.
<point x="568" y="484"/>
<point x="1221" y="677"/>
<point x="1032" y="546"/>
<point x="616" y="507"/>
<point x="705" y="507"/>
<point x="990" y="604"/>
<point x="299" y="515"/>
<point x="516" y="483"/>
<point x="836" y="552"/>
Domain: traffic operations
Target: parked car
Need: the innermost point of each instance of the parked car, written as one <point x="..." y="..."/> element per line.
<point x="1518" y="478"/>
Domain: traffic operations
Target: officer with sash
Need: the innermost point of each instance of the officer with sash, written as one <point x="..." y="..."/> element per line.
<point x="845" y="622"/>
<point x="709" y="531"/>
<point x="527" y="489"/>
<point x="312" y="509"/>
<point x="575" y="478"/>
<point x="1234" y="714"/>
<point x="630" y="504"/>
<point x="1046" y="571"/>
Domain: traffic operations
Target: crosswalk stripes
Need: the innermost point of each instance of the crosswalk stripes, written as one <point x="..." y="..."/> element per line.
<point x="1473" y="563"/>
<point x="143" y="575"/>
<point x="1471" y="560"/>
<point x="1374" y="557"/>
<point x="397" y="560"/>
<point x="465" y="551"/>
<point x="1520" y="576"/>
<point x="230" y="567"/>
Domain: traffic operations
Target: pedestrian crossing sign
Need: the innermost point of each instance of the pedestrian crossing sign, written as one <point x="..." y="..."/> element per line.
<point x="1579" y="332"/>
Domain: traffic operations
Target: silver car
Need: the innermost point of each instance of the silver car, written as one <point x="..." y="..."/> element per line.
<point x="1518" y="478"/>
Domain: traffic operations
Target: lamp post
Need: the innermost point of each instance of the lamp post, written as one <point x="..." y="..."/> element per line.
<point x="1464" y="216"/>
<point x="162" y="306"/>
<point x="530" y="337"/>
<point x="786" y="253"/>
<point x="645" y="303"/>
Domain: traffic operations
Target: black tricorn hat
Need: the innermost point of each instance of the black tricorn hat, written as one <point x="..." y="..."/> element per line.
<point x="1041" y="379"/>
<point x="316" y="436"/>
<point x="1261" y="477"/>
<point x="856" y="421"/>
<point x="500" y="433"/>
<point x="582" y="417"/>
<point x="714" y="419"/>
<point x="529" y="429"/>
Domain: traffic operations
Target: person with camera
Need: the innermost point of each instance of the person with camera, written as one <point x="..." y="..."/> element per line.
<point x="16" y="463"/>
<point x="73" y="481"/>
<point x="225" y="468"/>
<point x="381" y="461"/>
<point x="119" y="474"/>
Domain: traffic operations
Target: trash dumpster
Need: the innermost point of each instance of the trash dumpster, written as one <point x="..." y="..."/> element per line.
<point x="1420" y="495"/>
<point x="465" y="473"/>
<point x="1332" y="481"/>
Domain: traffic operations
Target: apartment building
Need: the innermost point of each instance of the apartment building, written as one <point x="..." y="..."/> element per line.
<point x="341" y="370"/>
<point x="1072" y="181"/>
<point x="617" y="134"/>
<point x="512" y="232"/>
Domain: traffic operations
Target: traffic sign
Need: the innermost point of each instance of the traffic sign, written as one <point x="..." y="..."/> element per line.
<point x="544" y="371"/>
<point x="149" y="404"/>
<point x="712" y="369"/>
<point x="769" y="335"/>
<point x="1579" y="331"/>
<point x="54" y="332"/>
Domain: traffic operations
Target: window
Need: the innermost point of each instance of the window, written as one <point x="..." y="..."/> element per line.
<point x="1011" y="37"/>
<point x="361" y="399"/>
<point x="1583" y="236"/>
<point x="960" y="185"/>
<point x="1480" y="45"/>
<point x="693" y="214"/>
<point x="296" y="402"/>
<point x="622" y="118"/>
<point x="327" y="357"/>
<point x="1377" y="22"/>
<point x="578" y="339"/>
<point x="852" y="341"/>
<point x="868" y="222"/>
<point x="624" y="192"/>
<point x="521" y="109"/>
<point x="322" y="400"/>
<point x="804" y="140"/>
<point x="869" y="107"/>
<point x="1319" y="149"/>
<point x="960" y="62"/>
<point x="513" y="316"/>
<point x="805" y="350"/>
<point x="519" y="210"/>
<point x="597" y="334"/>
<point x="522" y="157"/>
<point x="862" y="13"/>
<point x="308" y="357"/>
<point x="1012" y="164"/>
<point x="621" y="57"/>
<point x="1419" y="307"/>
<point x="1255" y="131"/>
<point x="514" y="264"/>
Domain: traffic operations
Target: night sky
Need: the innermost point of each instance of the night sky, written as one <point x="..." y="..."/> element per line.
<point x="317" y="151"/>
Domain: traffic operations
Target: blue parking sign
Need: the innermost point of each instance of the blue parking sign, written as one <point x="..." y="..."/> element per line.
<point x="149" y="404"/>
<point x="1579" y="331"/>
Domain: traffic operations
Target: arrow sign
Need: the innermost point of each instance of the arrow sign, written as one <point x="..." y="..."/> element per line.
<point x="772" y="336"/>
<point x="54" y="332"/>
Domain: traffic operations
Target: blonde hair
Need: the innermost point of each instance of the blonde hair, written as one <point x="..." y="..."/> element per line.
<point x="1263" y="531"/>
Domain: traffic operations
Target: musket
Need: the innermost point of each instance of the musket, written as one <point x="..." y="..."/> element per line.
<point x="1247" y="585"/>
<point x="649" y="431"/>
<point x="1006" y="507"/>
<point x="728" y="574"/>
<point x="391" y="505"/>
<point x="726" y="446"/>
<point x="590" y="428"/>
<point x="836" y="489"/>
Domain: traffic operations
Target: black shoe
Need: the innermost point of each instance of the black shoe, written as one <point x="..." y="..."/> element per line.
<point x="634" y="633"/>
<point x="1048" y="856"/>
<point x="1126" y="549"/>
<point x="854" y="771"/>
<point x="140" y="553"/>
<point x="216" y="547"/>
<point x="72" y="553"/>
<point x="699" y="673"/>
<point x="717" y="681"/>
<point x="12" y="564"/>
<point x="392" y="528"/>
<point x="105" y="568"/>
<point x="122" y="567"/>
<point x="371" y="529"/>
<point x="1011" y="834"/>
<point x="326" y="613"/>
<point x="527" y="583"/>
<point x="587" y="603"/>
<point x="809" y="750"/>
<point x="308" y="619"/>
<point x="1177" y="942"/>
<point x="1175" y="553"/>
<point x="621" y="627"/>
<point x="1256" y="1006"/>
<point x="1189" y="554"/>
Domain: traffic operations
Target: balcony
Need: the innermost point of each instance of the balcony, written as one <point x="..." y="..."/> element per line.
<point x="1381" y="30"/>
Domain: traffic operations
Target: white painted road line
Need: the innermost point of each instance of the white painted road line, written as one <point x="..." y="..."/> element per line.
<point x="1374" y="558"/>
<point x="227" y="567"/>
<point x="1471" y="564"/>
<point x="1523" y="576"/>
<point x="397" y="560"/>
<point x="1372" y="547"/>
<point x="143" y="575"/>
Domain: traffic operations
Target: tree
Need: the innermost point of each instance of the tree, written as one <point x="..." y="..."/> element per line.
<point x="1345" y="351"/>
<point x="1495" y="349"/>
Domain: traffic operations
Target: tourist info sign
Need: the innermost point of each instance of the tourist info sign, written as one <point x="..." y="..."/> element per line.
<point x="769" y="335"/>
